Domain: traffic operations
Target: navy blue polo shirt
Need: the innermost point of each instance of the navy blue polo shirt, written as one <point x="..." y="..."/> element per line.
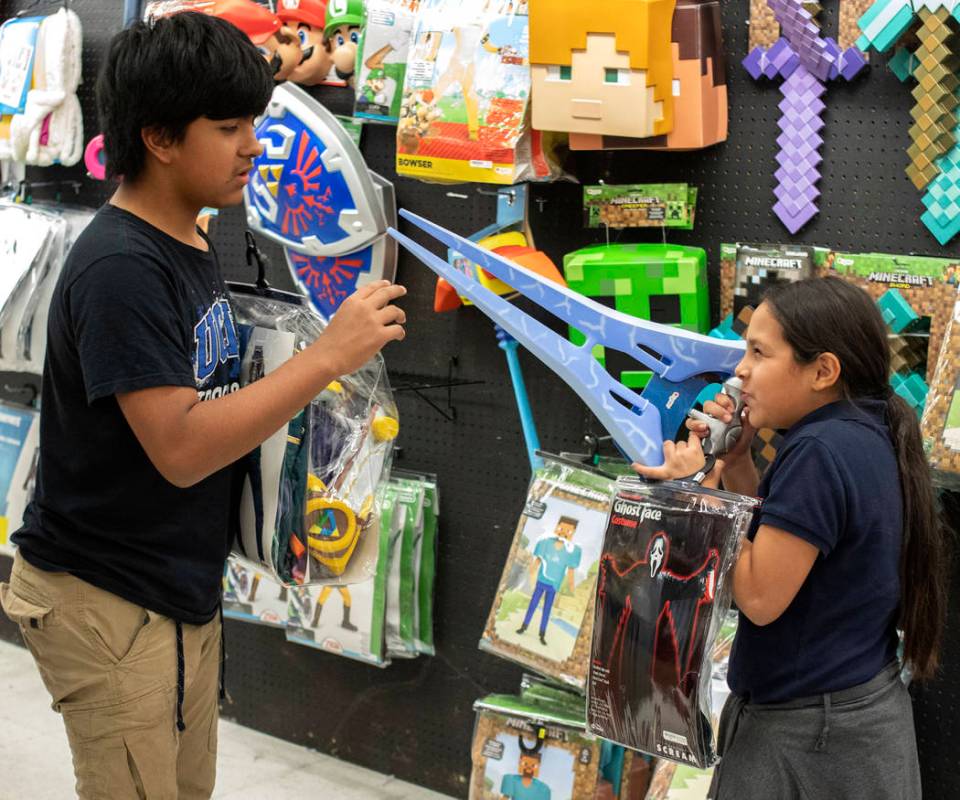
<point x="834" y="483"/>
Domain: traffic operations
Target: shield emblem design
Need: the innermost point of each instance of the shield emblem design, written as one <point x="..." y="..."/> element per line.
<point x="329" y="280"/>
<point x="310" y="189"/>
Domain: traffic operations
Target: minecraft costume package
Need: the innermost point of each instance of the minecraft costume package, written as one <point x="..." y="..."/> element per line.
<point x="523" y="749"/>
<point x="543" y="610"/>
<point x="663" y="590"/>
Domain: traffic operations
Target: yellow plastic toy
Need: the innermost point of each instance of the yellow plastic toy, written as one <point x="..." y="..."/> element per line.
<point x="602" y="68"/>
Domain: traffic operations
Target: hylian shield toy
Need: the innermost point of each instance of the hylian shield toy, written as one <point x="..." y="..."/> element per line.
<point x="311" y="192"/>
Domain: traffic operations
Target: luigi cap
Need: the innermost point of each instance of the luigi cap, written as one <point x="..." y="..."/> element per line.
<point x="376" y="74"/>
<point x="310" y="12"/>
<point x="343" y="12"/>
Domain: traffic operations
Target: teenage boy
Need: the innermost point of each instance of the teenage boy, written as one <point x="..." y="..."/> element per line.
<point x="116" y="582"/>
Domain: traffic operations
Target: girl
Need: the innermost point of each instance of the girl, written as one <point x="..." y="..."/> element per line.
<point x="846" y="548"/>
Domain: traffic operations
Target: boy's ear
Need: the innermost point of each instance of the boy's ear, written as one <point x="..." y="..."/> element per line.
<point x="828" y="372"/>
<point x="159" y="143"/>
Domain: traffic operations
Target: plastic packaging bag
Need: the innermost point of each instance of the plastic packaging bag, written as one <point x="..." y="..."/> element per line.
<point x="542" y="615"/>
<point x="533" y="745"/>
<point x="401" y="582"/>
<point x="307" y="494"/>
<point x="663" y="591"/>
<point x="349" y="620"/>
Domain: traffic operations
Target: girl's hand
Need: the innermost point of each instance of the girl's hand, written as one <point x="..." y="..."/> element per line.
<point x="680" y="460"/>
<point x="721" y="407"/>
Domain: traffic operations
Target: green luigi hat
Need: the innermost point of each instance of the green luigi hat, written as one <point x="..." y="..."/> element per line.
<point x="343" y="12"/>
<point x="377" y="74"/>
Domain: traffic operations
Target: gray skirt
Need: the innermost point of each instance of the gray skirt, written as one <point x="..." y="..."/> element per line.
<point x="857" y="744"/>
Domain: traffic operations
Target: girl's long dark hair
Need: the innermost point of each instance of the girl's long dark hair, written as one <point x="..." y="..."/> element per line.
<point x="824" y="315"/>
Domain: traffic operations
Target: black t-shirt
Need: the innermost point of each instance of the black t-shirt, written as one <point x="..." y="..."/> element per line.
<point x="835" y="483"/>
<point x="134" y="308"/>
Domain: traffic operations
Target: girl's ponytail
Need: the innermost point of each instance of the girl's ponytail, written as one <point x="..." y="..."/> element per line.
<point x="831" y="315"/>
<point x="925" y="552"/>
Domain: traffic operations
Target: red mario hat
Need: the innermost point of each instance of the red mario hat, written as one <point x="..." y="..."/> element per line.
<point x="257" y="22"/>
<point x="311" y="12"/>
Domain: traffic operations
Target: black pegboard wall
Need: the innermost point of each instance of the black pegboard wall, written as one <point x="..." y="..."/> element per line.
<point x="415" y="718"/>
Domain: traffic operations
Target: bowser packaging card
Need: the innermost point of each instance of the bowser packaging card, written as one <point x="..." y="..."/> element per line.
<point x="663" y="590"/>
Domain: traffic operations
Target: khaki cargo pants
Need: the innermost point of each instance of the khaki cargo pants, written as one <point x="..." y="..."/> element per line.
<point x="111" y="668"/>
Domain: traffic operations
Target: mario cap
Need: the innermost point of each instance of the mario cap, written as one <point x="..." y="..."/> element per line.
<point x="257" y="22"/>
<point x="311" y="12"/>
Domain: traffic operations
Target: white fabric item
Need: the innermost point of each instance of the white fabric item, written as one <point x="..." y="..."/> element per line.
<point x="59" y="46"/>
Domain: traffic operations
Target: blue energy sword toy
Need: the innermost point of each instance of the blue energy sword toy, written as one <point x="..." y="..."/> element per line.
<point x="683" y="363"/>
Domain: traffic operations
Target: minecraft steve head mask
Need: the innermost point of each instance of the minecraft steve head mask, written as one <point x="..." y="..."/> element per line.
<point x="602" y="68"/>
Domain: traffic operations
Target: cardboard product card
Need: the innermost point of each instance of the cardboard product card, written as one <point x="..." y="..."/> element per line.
<point x="518" y="758"/>
<point x="19" y="451"/>
<point x="463" y="114"/>
<point x="382" y="60"/>
<point x="543" y="610"/>
<point x="252" y="595"/>
<point x="927" y="284"/>
<point x="940" y="425"/>
<point x="640" y="205"/>
<point x="348" y="620"/>
<point x="749" y="270"/>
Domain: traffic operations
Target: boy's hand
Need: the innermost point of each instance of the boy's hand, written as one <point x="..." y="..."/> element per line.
<point x="680" y="460"/>
<point x="362" y="325"/>
<point x="722" y="407"/>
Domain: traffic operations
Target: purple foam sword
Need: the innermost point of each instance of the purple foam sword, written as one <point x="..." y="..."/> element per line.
<point x="805" y="60"/>
<point x="683" y="363"/>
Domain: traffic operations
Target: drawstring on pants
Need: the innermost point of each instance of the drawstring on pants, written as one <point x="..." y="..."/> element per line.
<point x="180" y="678"/>
<point x="822" y="741"/>
<point x="223" y="657"/>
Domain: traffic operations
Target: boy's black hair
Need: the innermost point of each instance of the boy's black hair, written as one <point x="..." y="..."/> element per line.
<point x="167" y="73"/>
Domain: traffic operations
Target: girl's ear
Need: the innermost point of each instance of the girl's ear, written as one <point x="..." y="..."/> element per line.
<point x="828" y="372"/>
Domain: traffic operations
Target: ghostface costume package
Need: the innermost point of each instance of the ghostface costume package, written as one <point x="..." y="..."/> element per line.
<point x="663" y="589"/>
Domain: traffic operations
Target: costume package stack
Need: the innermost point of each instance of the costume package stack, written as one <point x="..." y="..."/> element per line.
<point x="533" y="746"/>
<point x="542" y="614"/>
<point x="34" y="240"/>
<point x="663" y="590"/>
<point x="307" y="495"/>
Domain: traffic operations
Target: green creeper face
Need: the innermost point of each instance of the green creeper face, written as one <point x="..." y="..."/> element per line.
<point x="661" y="283"/>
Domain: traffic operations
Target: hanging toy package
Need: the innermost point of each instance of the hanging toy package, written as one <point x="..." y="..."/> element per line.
<point x="542" y="615"/>
<point x="307" y="493"/>
<point x="663" y="590"/>
<point x="348" y="620"/>
<point x="250" y="595"/>
<point x="463" y="115"/>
